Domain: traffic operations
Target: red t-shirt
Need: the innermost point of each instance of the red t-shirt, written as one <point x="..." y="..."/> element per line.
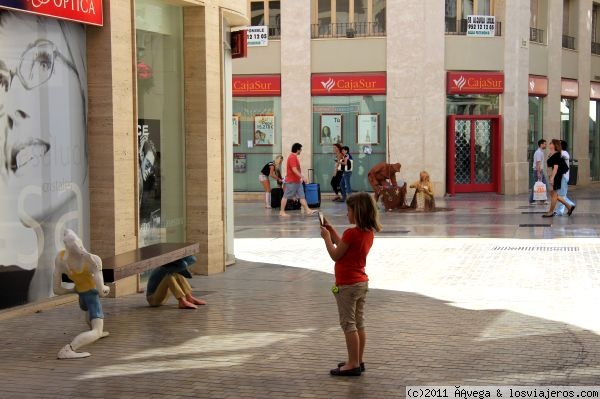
<point x="290" y="176"/>
<point x="350" y="269"/>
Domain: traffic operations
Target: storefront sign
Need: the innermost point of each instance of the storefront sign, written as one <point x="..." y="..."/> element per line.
<point x="256" y="85"/>
<point x="481" y="25"/>
<point x="84" y="11"/>
<point x="595" y="91"/>
<point x="258" y="36"/>
<point x="348" y="84"/>
<point x="475" y="82"/>
<point x="538" y="86"/>
<point x="569" y="88"/>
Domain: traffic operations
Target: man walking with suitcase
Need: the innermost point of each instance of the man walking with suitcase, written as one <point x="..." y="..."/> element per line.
<point x="293" y="182"/>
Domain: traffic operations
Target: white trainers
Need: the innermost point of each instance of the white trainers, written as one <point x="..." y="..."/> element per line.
<point x="68" y="353"/>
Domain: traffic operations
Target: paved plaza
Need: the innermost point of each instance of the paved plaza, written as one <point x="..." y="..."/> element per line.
<point x="483" y="293"/>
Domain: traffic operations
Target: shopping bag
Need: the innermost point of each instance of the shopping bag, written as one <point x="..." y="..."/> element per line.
<point x="539" y="191"/>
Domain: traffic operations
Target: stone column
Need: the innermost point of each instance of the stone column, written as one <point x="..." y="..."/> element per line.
<point x="296" y="102"/>
<point x="204" y="135"/>
<point x="416" y="114"/>
<point x="515" y="102"/>
<point x="581" y="131"/>
<point x="552" y="101"/>
<point x="112" y="129"/>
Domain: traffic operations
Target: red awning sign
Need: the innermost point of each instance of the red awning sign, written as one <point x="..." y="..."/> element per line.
<point x="84" y="11"/>
<point x="349" y="84"/>
<point x="538" y="86"/>
<point x="475" y="83"/>
<point x="256" y="85"/>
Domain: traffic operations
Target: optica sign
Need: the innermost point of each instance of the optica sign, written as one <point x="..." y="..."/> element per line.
<point x="475" y="82"/>
<point x="84" y="11"/>
<point x="256" y="85"/>
<point x="323" y="84"/>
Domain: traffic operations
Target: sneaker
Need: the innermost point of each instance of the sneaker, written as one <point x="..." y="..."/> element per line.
<point x="68" y="353"/>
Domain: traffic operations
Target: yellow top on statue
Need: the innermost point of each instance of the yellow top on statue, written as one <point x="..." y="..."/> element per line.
<point x="83" y="280"/>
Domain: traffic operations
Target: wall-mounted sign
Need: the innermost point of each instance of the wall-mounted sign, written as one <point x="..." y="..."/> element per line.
<point x="235" y="127"/>
<point x="264" y="129"/>
<point x="475" y="82"/>
<point x="367" y="129"/>
<point x="481" y="25"/>
<point x="326" y="84"/>
<point x="256" y="85"/>
<point x="239" y="44"/>
<point x="538" y="86"/>
<point x="595" y="91"/>
<point x="569" y="88"/>
<point x="84" y="11"/>
<point x="331" y="129"/>
<point x="240" y="161"/>
<point x="258" y="36"/>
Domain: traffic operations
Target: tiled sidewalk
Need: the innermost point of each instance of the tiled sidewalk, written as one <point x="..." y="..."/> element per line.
<point x="511" y="309"/>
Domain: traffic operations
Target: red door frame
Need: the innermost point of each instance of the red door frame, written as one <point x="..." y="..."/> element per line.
<point x="496" y="185"/>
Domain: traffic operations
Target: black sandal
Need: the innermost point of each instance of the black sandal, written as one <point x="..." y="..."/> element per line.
<point x="345" y="373"/>
<point x="545" y="215"/>
<point x="362" y="365"/>
<point x="571" y="210"/>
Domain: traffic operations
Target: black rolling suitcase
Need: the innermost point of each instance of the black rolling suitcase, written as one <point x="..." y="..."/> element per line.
<point x="276" y="195"/>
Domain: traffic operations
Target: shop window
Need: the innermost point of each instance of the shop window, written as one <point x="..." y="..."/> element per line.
<point x="594" y="140"/>
<point x="567" y="114"/>
<point x="160" y="122"/>
<point x="356" y="121"/>
<point x="535" y="131"/>
<point x="457" y="11"/>
<point x="256" y="139"/>
<point x="473" y="104"/>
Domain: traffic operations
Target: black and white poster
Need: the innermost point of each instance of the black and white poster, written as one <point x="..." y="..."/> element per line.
<point x="149" y="181"/>
<point x="43" y="150"/>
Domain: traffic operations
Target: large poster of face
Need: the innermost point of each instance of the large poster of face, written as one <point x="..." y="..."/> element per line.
<point x="43" y="160"/>
<point x="149" y="181"/>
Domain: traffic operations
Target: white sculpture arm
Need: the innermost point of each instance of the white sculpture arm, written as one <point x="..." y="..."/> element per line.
<point x="59" y="269"/>
<point x="96" y="268"/>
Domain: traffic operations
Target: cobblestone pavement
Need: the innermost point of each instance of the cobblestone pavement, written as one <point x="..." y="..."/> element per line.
<point x="464" y="296"/>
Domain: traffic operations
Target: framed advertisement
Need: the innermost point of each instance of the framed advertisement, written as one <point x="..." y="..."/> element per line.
<point x="330" y="130"/>
<point x="235" y="120"/>
<point x="240" y="161"/>
<point x="367" y="127"/>
<point x="264" y="129"/>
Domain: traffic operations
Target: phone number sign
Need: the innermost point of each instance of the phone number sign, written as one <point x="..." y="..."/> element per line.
<point x="258" y="36"/>
<point x="481" y="25"/>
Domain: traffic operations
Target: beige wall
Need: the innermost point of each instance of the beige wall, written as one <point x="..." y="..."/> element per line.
<point x="474" y="53"/>
<point x="260" y="60"/>
<point x="570" y="64"/>
<point x="349" y="55"/>
<point x="538" y="59"/>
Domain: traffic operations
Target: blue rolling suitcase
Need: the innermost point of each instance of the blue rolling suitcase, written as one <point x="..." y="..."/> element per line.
<point x="312" y="191"/>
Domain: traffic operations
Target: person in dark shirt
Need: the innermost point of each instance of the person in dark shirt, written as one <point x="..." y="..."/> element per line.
<point x="558" y="167"/>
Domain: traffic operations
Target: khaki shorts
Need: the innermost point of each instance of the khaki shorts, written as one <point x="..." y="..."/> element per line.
<point x="351" y="305"/>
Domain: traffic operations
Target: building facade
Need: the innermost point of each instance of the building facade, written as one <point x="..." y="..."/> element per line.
<point x="423" y="83"/>
<point x="111" y="124"/>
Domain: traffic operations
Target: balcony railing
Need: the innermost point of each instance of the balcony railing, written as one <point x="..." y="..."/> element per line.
<point x="274" y="32"/>
<point x="347" y="29"/>
<point x="595" y="48"/>
<point x="568" y="42"/>
<point x="459" y="27"/>
<point x="537" y="35"/>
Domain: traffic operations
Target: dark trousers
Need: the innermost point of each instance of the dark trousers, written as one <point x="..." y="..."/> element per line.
<point x="336" y="182"/>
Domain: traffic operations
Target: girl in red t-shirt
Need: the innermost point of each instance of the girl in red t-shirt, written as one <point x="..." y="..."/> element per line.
<point x="351" y="282"/>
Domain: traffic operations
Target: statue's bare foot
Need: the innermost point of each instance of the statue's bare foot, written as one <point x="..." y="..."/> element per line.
<point x="195" y="300"/>
<point x="184" y="304"/>
<point x="68" y="353"/>
<point x="104" y="334"/>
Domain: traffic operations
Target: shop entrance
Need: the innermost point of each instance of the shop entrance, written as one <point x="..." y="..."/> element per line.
<point x="474" y="145"/>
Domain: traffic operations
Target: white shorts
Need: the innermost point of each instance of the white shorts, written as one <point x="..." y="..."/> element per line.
<point x="262" y="178"/>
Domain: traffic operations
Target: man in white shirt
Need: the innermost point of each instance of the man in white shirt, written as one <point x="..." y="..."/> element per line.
<point x="538" y="168"/>
<point x="564" y="185"/>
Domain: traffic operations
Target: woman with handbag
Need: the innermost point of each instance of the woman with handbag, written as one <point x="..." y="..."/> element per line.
<point x="558" y="168"/>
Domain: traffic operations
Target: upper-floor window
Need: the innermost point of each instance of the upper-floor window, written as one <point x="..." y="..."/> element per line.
<point x="348" y="18"/>
<point x="569" y="24"/>
<point x="267" y="12"/>
<point x="537" y="20"/>
<point x="457" y="11"/>
<point x="595" y="29"/>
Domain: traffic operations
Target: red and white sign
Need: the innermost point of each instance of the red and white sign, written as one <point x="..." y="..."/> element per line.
<point x="348" y="84"/>
<point x="569" y="88"/>
<point x="538" y="86"/>
<point x="475" y="82"/>
<point x="256" y="85"/>
<point x="84" y="11"/>
<point x="595" y="91"/>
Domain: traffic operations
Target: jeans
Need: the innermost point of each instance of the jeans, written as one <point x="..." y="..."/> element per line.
<point x="564" y="187"/>
<point x="345" y="185"/>
<point x="543" y="181"/>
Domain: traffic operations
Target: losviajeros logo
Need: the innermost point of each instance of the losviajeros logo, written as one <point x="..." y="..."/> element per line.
<point x="460" y="82"/>
<point x="328" y="84"/>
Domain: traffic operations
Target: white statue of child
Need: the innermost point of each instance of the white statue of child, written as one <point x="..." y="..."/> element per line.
<point x="85" y="270"/>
